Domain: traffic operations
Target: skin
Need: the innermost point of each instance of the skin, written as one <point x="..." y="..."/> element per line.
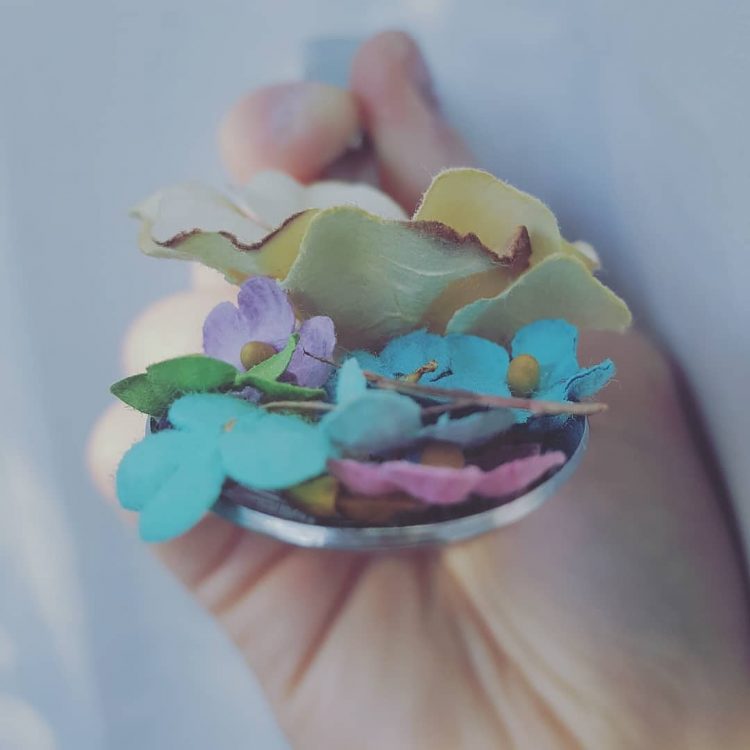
<point x="614" y="617"/>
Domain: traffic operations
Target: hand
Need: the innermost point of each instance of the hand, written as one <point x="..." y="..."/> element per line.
<point x="614" y="617"/>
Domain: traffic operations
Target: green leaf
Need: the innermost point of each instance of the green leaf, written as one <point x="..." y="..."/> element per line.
<point x="144" y="395"/>
<point x="282" y="391"/>
<point x="193" y="373"/>
<point x="273" y="367"/>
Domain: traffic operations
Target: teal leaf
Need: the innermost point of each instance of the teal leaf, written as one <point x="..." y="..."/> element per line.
<point x="186" y="494"/>
<point x="376" y="422"/>
<point x="209" y="411"/>
<point x="148" y="465"/>
<point x="194" y="372"/>
<point x="274" y="452"/>
<point x="273" y="367"/>
<point x="279" y="391"/>
<point x="139" y="392"/>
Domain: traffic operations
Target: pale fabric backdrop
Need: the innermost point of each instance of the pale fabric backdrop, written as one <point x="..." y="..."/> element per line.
<point x="629" y="119"/>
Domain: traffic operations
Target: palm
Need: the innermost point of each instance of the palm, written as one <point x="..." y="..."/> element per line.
<point x="594" y="620"/>
<point x="614" y="617"/>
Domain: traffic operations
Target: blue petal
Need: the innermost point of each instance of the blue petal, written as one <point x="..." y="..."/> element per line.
<point x="590" y="380"/>
<point x="376" y="422"/>
<point x="478" y="365"/>
<point x="185" y="496"/>
<point x="553" y="344"/>
<point x="350" y="382"/>
<point x="208" y="411"/>
<point x="472" y="430"/>
<point x="408" y="353"/>
<point x="274" y="452"/>
<point x="148" y="465"/>
<point x="370" y="362"/>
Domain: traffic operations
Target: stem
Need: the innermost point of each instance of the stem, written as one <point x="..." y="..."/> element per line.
<point x="298" y="406"/>
<point x="461" y="398"/>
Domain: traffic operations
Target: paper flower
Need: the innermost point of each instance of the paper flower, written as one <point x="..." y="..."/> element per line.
<point x="443" y="485"/>
<point x="174" y="476"/>
<point x="477" y="257"/>
<point x="264" y="316"/>
<point x="457" y="361"/>
<point x="553" y="345"/>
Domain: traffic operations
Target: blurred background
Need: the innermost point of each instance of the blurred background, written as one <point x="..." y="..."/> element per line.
<point x="628" y="119"/>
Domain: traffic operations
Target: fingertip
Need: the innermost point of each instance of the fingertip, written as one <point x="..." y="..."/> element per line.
<point x="116" y="430"/>
<point x="400" y="112"/>
<point x="298" y="128"/>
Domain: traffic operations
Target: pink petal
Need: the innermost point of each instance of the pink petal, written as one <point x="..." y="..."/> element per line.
<point x="440" y="485"/>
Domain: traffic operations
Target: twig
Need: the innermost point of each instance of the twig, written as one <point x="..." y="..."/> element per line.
<point x="467" y="398"/>
<point x="298" y="406"/>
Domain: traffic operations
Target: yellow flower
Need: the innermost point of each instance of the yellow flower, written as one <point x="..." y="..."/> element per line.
<point x="478" y="256"/>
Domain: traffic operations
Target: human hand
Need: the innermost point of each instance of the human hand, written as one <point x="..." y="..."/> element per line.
<point x="613" y="617"/>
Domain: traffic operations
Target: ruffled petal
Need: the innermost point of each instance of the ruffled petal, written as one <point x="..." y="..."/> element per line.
<point x="267" y="311"/>
<point x="560" y="286"/>
<point x="438" y="485"/>
<point x="317" y="337"/>
<point x="553" y="343"/>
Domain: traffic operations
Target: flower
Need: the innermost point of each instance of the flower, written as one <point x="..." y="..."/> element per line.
<point x="456" y="361"/>
<point x="443" y="485"/>
<point x="264" y="314"/>
<point x="553" y="344"/>
<point x="478" y="257"/>
<point x="174" y="476"/>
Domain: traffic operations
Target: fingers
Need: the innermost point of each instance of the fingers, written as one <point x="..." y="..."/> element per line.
<point x="398" y="109"/>
<point x="298" y="128"/>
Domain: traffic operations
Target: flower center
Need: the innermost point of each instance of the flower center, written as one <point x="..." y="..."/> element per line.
<point x="413" y="377"/>
<point x="255" y="352"/>
<point x="523" y="375"/>
<point x="442" y="454"/>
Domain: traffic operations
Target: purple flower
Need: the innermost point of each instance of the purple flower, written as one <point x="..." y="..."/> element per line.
<point x="264" y="314"/>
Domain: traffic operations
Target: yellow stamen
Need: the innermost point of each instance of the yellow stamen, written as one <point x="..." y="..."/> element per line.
<point x="442" y="454"/>
<point x="255" y="352"/>
<point x="523" y="375"/>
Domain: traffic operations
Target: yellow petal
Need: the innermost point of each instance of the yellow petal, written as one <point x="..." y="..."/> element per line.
<point x="558" y="287"/>
<point x="470" y="200"/>
<point x="376" y="278"/>
<point x="584" y="252"/>
<point x="317" y="497"/>
<point x="192" y="222"/>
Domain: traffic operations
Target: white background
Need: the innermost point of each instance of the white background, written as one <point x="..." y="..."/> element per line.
<point x="628" y="118"/>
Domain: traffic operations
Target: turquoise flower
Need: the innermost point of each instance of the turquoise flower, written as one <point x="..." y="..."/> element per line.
<point x="456" y="361"/>
<point x="174" y="476"/>
<point x="553" y="345"/>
